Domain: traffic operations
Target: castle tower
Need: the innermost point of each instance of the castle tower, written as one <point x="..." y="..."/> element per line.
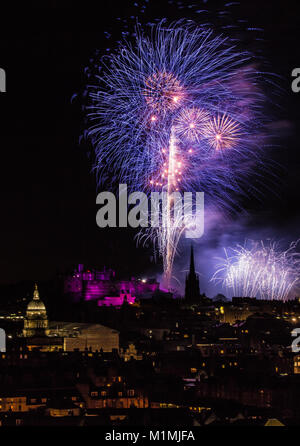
<point x="192" y="290"/>
<point x="36" y="321"/>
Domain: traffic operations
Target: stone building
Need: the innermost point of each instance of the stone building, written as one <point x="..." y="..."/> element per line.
<point x="43" y="335"/>
<point x="36" y="321"/>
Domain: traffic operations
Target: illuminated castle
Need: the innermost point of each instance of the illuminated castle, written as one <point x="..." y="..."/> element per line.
<point x="36" y="321"/>
<point x="102" y="286"/>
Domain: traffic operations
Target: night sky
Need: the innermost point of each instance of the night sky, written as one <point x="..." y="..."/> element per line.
<point x="48" y="188"/>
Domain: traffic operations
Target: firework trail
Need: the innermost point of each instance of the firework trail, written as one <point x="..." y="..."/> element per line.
<point x="262" y="270"/>
<point x="177" y="110"/>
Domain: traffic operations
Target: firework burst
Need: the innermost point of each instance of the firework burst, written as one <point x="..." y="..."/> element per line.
<point x="222" y="132"/>
<point x="191" y="124"/>
<point x="167" y="113"/>
<point x="163" y="92"/>
<point x="262" y="270"/>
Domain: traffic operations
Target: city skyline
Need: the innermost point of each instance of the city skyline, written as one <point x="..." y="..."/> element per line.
<point x="97" y="329"/>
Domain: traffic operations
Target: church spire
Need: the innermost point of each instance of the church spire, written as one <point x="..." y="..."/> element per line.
<point x="192" y="291"/>
<point x="192" y="263"/>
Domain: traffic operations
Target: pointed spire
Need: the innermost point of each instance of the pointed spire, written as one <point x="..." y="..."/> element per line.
<point x="192" y="263"/>
<point x="36" y="295"/>
<point x="192" y="291"/>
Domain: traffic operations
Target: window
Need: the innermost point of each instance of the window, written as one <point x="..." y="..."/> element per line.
<point x="93" y="394"/>
<point x="131" y="392"/>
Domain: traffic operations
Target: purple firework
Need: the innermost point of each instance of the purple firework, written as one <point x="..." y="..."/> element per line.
<point x="178" y="110"/>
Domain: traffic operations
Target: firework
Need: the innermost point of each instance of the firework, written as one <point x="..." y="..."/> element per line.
<point x="222" y="132"/>
<point x="261" y="270"/>
<point x="167" y="113"/>
<point x="163" y="92"/>
<point x="192" y="123"/>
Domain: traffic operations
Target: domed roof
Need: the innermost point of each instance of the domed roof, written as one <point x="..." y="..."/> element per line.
<point x="36" y="304"/>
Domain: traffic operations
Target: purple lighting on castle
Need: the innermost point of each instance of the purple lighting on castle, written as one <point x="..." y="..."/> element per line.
<point x="103" y="287"/>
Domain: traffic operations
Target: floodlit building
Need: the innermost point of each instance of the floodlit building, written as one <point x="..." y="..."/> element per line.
<point x="102" y="286"/>
<point x="36" y="321"/>
<point x="67" y="336"/>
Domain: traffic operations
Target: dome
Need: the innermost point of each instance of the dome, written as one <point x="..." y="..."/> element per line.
<point x="36" y="321"/>
<point x="36" y="304"/>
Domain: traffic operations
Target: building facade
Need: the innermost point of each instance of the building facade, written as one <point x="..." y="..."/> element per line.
<point x="103" y="287"/>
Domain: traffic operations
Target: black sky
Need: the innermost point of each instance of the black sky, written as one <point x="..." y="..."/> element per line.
<point x="48" y="191"/>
